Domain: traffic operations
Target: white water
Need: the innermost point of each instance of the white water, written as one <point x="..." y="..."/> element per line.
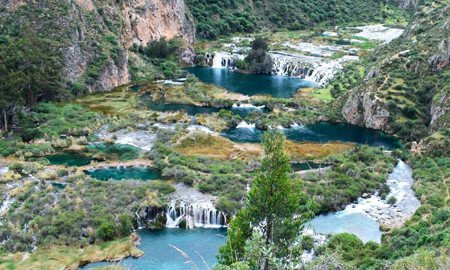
<point x="247" y="106"/>
<point x="138" y="219"/>
<point x="244" y="124"/>
<point x="316" y="50"/>
<point x="164" y="126"/>
<point x="400" y="182"/>
<point x="315" y="69"/>
<point x="171" y="82"/>
<point x="140" y="138"/>
<point x="200" y="214"/>
<point x="297" y="65"/>
<point x="326" y="71"/>
<point x="379" y="32"/>
<point x="355" y="218"/>
<point x="200" y="128"/>
<point x="225" y="59"/>
<point x="196" y="208"/>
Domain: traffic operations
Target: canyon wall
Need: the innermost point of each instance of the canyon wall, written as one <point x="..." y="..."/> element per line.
<point x="94" y="36"/>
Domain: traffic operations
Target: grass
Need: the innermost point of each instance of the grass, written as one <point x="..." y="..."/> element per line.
<point x="211" y="146"/>
<point x="65" y="257"/>
<point x="120" y="101"/>
<point x="314" y="95"/>
<point x="314" y="151"/>
<point x="194" y="93"/>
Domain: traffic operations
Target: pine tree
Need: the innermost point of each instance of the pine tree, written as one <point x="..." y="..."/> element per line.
<point x="272" y="206"/>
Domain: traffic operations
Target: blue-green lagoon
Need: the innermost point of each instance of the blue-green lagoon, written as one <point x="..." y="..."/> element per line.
<point x="251" y="84"/>
<point x="124" y="172"/>
<point x="163" y="250"/>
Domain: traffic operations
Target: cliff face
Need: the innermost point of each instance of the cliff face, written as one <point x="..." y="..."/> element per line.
<point x="94" y="35"/>
<point x="407" y="83"/>
<point x="363" y="109"/>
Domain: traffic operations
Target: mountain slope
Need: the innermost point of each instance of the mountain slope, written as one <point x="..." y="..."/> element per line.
<point x="406" y="89"/>
<point x="93" y="36"/>
<point x="215" y="18"/>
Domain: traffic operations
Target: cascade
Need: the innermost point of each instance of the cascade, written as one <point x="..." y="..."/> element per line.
<point x="199" y="214"/>
<point x="292" y="65"/>
<point x="225" y="60"/>
<point x="138" y="219"/>
<point x="244" y="124"/>
<point x="221" y="60"/>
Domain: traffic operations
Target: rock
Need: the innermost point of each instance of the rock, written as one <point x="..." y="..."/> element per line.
<point x="90" y="28"/>
<point x="366" y="195"/>
<point x="363" y="108"/>
<point x="441" y="59"/>
<point x="408" y="4"/>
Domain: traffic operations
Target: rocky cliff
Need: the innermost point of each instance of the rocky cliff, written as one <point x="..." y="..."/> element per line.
<point x="407" y="83"/>
<point x="94" y="36"/>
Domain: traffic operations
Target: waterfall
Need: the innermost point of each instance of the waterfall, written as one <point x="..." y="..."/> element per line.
<point x="199" y="214"/>
<point x="325" y="72"/>
<point x="222" y="60"/>
<point x="225" y="59"/>
<point x="292" y="64"/>
<point x="138" y="219"/>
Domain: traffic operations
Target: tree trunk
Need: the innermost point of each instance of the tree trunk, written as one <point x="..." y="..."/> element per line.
<point x="5" y="120"/>
<point x="268" y="240"/>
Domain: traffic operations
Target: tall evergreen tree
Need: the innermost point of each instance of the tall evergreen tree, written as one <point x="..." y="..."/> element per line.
<point x="272" y="207"/>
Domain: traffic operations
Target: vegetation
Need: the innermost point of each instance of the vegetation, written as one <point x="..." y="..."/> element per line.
<point x="269" y="214"/>
<point x="162" y="54"/>
<point x="258" y="60"/>
<point x="361" y="170"/>
<point x="60" y="217"/>
<point x="246" y="16"/>
<point x="30" y="73"/>
<point x="408" y="76"/>
<point x="58" y="257"/>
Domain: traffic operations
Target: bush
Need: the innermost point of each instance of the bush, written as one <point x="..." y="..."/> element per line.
<point x="125" y="224"/>
<point x="106" y="230"/>
<point x="307" y="242"/>
<point x="392" y="200"/>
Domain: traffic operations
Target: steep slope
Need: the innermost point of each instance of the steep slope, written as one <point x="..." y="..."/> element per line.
<point x="225" y="17"/>
<point x="93" y="36"/>
<point x="406" y="88"/>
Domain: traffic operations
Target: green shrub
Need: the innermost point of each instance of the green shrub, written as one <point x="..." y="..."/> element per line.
<point x="125" y="226"/>
<point x="106" y="231"/>
<point x="307" y="242"/>
<point x="392" y="200"/>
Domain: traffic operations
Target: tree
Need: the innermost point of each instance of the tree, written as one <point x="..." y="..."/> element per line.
<point x="259" y="61"/>
<point x="30" y="72"/>
<point x="272" y="206"/>
<point x="125" y="224"/>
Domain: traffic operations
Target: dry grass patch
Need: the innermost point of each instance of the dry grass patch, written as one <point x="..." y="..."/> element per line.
<point x="214" y="146"/>
<point x="311" y="151"/>
<point x="207" y="145"/>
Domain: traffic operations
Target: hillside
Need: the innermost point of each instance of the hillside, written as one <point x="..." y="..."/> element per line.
<point x="91" y="38"/>
<point x="224" y="17"/>
<point x="406" y="87"/>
